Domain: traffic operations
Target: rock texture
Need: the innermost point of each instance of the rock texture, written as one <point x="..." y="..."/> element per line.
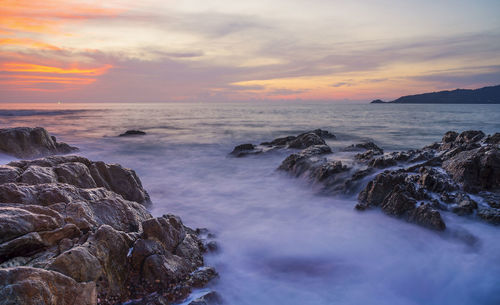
<point x="303" y="140"/>
<point x="78" y="232"/>
<point x="27" y="143"/>
<point x="460" y="174"/>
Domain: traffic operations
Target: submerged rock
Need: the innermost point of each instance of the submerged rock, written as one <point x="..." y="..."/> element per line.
<point x="74" y="231"/>
<point x="304" y="140"/>
<point x="132" y="132"/>
<point x="245" y="149"/>
<point x="26" y="142"/>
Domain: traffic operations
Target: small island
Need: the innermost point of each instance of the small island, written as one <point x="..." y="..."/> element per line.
<point x="486" y="95"/>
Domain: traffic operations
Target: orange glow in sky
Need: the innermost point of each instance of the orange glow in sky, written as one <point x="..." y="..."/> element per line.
<point x="222" y="50"/>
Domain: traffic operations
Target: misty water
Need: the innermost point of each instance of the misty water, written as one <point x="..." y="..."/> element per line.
<point x="280" y="241"/>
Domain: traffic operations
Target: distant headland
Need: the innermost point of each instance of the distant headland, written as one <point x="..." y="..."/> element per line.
<point x="486" y="95"/>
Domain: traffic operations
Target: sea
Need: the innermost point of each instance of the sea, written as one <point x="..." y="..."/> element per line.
<point x="280" y="241"/>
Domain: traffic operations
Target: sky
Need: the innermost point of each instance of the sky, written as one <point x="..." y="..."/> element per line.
<point x="230" y="50"/>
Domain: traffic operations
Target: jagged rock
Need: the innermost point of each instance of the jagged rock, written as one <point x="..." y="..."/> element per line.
<point x="132" y="132"/>
<point x="490" y="215"/>
<point x="82" y="173"/>
<point x="464" y="205"/>
<point x="298" y="163"/>
<point x="26" y="142"/>
<point x="279" y="142"/>
<point x="367" y="146"/>
<point x="76" y="231"/>
<point x="35" y="286"/>
<point x="494" y="139"/>
<point x="245" y="149"/>
<point x="211" y="298"/>
<point x="450" y="137"/>
<point x="477" y="169"/>
<point x="9" y="173"/>
<point x="306" y="140"/>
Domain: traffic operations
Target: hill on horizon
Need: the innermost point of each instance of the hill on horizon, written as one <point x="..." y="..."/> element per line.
<point x="485" y="95"/>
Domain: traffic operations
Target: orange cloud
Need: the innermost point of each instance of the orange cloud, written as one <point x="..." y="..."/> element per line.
<point x="47" y="16"/>
<point x="33" y="79"/>
<point x="27" y="67"/>
<point x="27" y="42"/>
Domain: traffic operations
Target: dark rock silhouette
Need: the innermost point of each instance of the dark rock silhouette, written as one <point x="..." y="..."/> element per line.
<point x="486" y="95"/>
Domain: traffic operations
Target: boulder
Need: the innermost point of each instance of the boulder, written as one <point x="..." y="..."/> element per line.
<point x="132" y="132"/>
<point x="26" y="142"/>
<point x="306" y="140"/>
<point x="77" y="232"/>
<point x="35" y="286"/>
<point x="476" y="169"/>
<point x="245" y="149"/>
<point x="81" y="173"/>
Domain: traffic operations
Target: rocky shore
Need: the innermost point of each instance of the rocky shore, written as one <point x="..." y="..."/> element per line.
<point x="74" y="231"/>
<point x="460" y="174"/>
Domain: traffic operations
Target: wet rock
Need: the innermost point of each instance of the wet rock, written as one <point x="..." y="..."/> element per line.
<point x="449" y="137"/>
<point x="202" y="276"/>
<point x="76" y="232"/>
<point x="211" y="298"/>
<point x="470" y="136"/>
<point x="245" y="149"/>
<point x="367" y="146"/>
<point x="300" y="162"/>
<point x="279" y="142"/>
<point x="493" y="139"/>
<point x="477" y="169"/>
<point x="26" y="142"/>
<point x="132" y="132"/>
<point x="37" y="175"/>
<point x="490" y="215"/>
<point x="306" y="140"/>
<point x="35" y="286"/>
<point x="427" y="216"/>
<point x="464" y="205"/>
<point x="9" y="173"/>
<point x="83" y="173"/>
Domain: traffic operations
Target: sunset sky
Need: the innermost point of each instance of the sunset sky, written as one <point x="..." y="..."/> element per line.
<point x="318" y="50"/>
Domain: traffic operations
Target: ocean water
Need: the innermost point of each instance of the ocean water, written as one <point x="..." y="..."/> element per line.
<point x="280" y="241"/>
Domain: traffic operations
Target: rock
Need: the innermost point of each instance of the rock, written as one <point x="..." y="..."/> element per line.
<point x="470" y="136"/>
<point x="76" y="232"/>
<point x="279" y="142"/>
<point x="37" y="175"/>
<point x="82" y="173"/>
<point x="298" y="163"/>
<point x="9" y="174"/>
<point x="245" y="149"/>
<point x="303" y="140"/>
<point x="211" y="298"/>
<point x="490" y="215"/>
<point x="132" y="132"/>
<point x="35" y="286"/>
<point x="26" y="142"/>
<point x="306" y="140"/>
<point x="464" y="205"/>
<point x="202" y="276"/>
<point x="494" y="139"/>
<point x="477" y="169"/>
<point x="367" y="146"/>
<point x="449" y="137"/>
<point x="427" y="216"/>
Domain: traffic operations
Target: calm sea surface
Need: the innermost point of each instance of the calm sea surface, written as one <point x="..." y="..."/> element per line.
<point x="280" y="242"/>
